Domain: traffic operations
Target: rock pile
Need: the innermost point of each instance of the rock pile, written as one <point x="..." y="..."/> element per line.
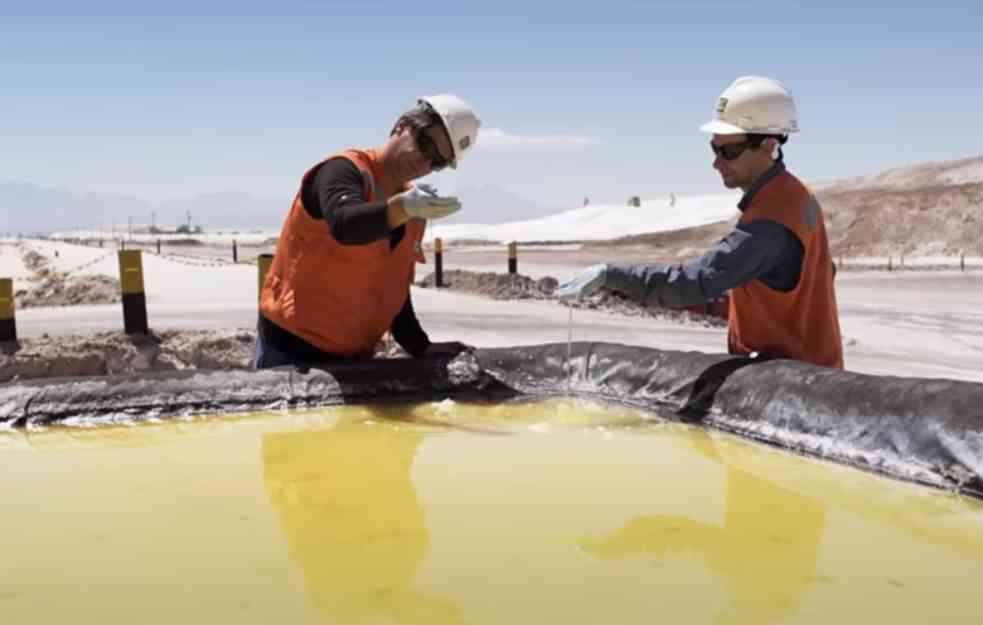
<point x="57" y="290"/>
<point x="518" y="286"/>
<point x="495" y="285"/>
<point x="118" y="353"/>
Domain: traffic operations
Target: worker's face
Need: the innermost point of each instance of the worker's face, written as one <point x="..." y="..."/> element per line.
<point x="419" y="152"/>
<point x="739" y="164"/>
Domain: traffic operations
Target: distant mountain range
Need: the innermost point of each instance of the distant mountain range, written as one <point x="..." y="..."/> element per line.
<point x="490" y="204"/>
<point x="28" y="208"/>
<point x="923" y="208"/>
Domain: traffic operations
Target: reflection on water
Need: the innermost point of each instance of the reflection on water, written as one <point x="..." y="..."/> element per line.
<point x="765" y="550"/>
<point x="560" y="512"/>
<point x="352" y="519"/>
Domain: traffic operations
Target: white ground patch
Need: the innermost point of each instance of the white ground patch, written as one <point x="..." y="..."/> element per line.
<point x="589" y="223"/>
<point x="602" y="221"/>
<point x="11" y="263"/>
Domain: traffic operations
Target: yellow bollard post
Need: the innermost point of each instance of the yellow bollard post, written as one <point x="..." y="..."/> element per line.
<point x="8" y="328"/>
<point x="263" y="264"/>
<point x="513" y="260"/>
<point x="438" y="259"/>
<point x="131" y="288"/>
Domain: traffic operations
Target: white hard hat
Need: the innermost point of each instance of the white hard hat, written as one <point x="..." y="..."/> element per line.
<point x="754" y="105"/>
<point x="459" y="121"/>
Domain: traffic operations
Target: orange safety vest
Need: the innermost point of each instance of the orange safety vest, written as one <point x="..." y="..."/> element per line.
<point x="340" y="298"/>
<point x="802" y="323"/>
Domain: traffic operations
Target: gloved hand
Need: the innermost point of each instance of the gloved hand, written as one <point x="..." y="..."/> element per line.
<point x="422" y="201"/>
<point x="584" y="285"/>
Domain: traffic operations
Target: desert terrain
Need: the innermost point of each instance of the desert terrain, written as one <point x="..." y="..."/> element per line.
<point x="923" y="317"/>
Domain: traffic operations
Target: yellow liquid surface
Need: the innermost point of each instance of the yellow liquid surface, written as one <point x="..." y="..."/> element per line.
<point x="557" y="512"/>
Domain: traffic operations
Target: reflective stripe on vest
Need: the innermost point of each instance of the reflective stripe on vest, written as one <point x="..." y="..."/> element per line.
<point x="339" y="298"/>
<point x="802" y="323"/>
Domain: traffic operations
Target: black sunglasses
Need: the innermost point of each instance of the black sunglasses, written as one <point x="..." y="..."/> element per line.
<point x="429" y="149"/>
<point x="733" y="150"/>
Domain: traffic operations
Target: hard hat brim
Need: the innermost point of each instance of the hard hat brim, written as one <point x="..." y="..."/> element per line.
<point x="720" y="127"/>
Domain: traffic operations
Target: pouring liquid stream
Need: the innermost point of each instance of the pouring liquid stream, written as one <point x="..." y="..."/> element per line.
<point x="569" y="342"/>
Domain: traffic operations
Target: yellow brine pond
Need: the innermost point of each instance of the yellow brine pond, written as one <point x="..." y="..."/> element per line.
<point x="428" y="514"/>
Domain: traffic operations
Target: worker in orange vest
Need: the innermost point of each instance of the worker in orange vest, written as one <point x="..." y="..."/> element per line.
<point x="346" y="255"/>
<point x="775" y="263"/>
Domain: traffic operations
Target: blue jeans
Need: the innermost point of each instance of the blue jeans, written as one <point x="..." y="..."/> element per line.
<point x="267" y="356"/>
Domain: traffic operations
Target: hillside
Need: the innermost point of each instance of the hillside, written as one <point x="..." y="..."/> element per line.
<point x="913" y="177"/>
<point x="929" y="209"/>
<point x="926" y="221"/>
<point x="920" y="210"/>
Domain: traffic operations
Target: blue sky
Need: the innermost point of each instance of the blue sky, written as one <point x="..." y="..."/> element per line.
<point x="164" y="100"/>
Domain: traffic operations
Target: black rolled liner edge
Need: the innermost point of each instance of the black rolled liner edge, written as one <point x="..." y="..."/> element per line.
<point x="922" y="430"/>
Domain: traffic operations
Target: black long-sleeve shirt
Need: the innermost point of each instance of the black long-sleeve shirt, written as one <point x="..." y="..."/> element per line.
<point x="335" y="194"/>
<point x="762" y="249"/>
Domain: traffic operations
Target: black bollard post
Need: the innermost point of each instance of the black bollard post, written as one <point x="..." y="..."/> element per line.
<point x="158" y="247"/>
<point x="235" y="252"/>
<point x="8" y="327"/>
<point x="438" y="259"/>
<point x="513" y="260"/>
<point x="131" y="287"/>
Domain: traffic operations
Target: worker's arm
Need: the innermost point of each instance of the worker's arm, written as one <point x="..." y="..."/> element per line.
<point x="762" y="249"/>
<point x="335" y="193"/>
<point x="408" y="332"/>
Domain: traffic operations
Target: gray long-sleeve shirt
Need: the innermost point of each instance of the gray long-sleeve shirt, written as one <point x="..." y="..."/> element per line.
<point x="762" y="249"/>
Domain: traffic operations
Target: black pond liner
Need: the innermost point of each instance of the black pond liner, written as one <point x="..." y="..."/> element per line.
<point x="923" y="430"/>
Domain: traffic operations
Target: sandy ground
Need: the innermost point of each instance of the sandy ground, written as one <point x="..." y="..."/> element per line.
<point x="906" y="323"/>
<point x="115" y="352"/>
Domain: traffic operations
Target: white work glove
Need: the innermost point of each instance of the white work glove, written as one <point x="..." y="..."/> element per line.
<point x="584" y="285"/>
<point x="422" y="201"/>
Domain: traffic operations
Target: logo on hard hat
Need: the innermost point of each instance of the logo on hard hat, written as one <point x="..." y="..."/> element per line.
<point x="721" y="105"/>
<point x="464" y="143"/>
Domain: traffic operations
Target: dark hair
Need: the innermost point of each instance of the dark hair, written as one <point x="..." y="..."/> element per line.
<point x="755" y="140"/>
<point x="419" y="117"/>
